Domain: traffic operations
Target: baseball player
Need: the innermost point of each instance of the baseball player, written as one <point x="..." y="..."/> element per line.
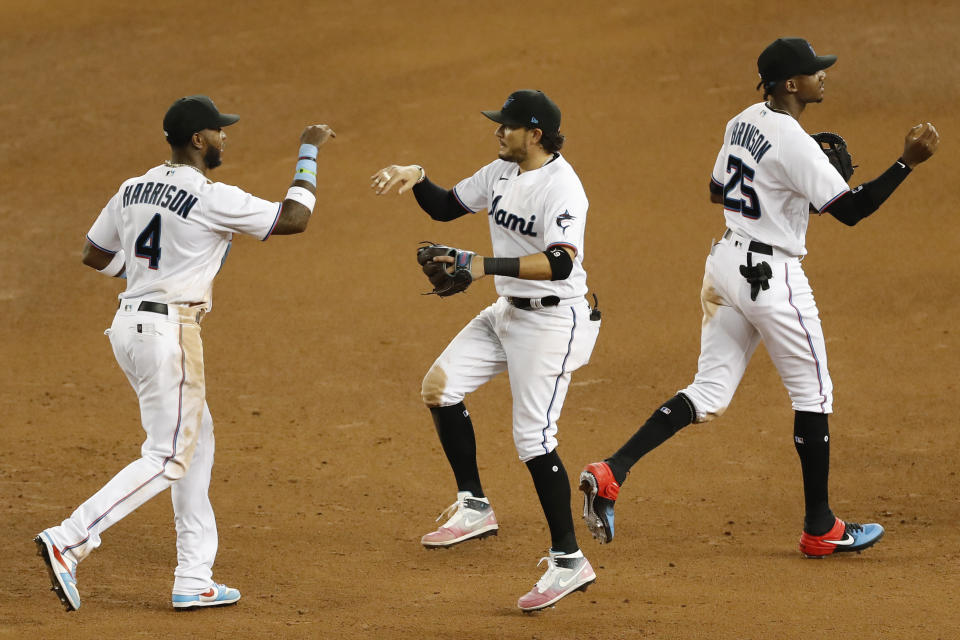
<point x="540" y="328"/>
<point x="769" y="175"/>
<point x="167" y="232"/>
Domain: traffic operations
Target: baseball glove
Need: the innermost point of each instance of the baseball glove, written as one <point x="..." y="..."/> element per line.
<point x="447" y="279"/>
<point x="835" y="148"/>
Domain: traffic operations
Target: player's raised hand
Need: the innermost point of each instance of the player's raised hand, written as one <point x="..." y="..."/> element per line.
<point x="317" y="134"/>
<point x="921" y="142"/>
<point x="389" y="177"/>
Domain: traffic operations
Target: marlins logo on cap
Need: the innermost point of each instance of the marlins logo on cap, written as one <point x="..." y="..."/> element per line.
<point x="528" y="108"/>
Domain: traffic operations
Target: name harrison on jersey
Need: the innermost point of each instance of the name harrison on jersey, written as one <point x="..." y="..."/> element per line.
<point x="749" y="137"/>
<point x="161" y="195"/>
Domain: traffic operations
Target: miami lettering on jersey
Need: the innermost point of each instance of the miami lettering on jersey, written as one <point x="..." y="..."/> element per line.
<point x="746" y="135"/>
<point x="530" y="212"/>
<point x="168" y="196"/>
<point x="511" y="221"/>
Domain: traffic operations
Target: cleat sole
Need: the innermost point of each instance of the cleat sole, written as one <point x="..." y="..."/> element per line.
<point x="55" y="584"/>
<point x="447" y="545"/>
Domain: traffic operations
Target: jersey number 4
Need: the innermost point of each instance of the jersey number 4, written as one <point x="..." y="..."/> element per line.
<point x="738" y="194"/>
<point x="148" y="242"/>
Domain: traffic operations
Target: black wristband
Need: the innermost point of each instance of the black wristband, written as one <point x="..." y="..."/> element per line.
<point x="502" y="267"/>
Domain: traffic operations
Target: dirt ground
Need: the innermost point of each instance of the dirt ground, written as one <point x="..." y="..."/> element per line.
<point x="328" y="468"/>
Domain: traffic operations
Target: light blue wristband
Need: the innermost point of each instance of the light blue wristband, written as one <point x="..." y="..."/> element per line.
<point x="307" y="164"/>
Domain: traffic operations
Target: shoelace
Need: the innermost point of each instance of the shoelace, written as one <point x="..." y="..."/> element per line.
<point x="547" y="577"/>
<point x="449" y="512"/>
<point x="853" y="527"/>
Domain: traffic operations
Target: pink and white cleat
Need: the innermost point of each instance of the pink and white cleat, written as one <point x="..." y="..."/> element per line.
<point x="467" y="518"/>
<point x="565" y="574"/>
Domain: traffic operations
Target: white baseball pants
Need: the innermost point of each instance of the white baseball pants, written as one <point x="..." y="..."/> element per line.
<point x="162" y="357"/>
<point x="539" y="348"/>
<point x="785" y="317"/>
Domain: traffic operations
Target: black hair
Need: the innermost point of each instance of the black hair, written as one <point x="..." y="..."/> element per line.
<point x="552" y="142"/>
<point x="768" y="88"/>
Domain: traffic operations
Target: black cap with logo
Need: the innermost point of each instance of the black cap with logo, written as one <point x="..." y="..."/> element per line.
<point x="528" y="108"/>
<point x="188" y="115"/>
<point x="788" y="57"/>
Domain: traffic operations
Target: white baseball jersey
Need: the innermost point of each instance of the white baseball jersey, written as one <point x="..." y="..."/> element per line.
<point x="771" y="170"/>
<point x="175" y="227"/>
<point x="531" y="212"/>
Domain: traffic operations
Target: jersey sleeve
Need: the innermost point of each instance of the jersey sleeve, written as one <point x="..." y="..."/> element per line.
<point x="810" y="173"/>
<point x="566" y="217"/>
<point x="473" y="193"/>
<point x="719" y="175"/>
<point x="231" y="209"/>
<point x="105" y="234"/>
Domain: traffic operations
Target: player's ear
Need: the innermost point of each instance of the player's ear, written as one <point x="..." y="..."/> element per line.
<point x="197" y="140"/>
<point x="790" y="85"/>
<point x="535" y="135"/>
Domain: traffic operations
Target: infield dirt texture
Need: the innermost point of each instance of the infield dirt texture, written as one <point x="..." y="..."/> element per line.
<point x="328" y="468"/>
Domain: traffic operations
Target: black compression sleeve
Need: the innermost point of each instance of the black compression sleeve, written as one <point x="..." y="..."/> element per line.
<point x="438" y="202"/>
<point x="855" y="205"/>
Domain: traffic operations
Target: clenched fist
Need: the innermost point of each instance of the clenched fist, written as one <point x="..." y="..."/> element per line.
<point x="921" y="142"/>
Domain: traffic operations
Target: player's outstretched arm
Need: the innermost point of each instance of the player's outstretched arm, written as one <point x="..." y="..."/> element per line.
<point x="439" y="203"/>
<point x="921" y="142"/>
<point x="402" y="177"/>
<point x="302" y="195"/>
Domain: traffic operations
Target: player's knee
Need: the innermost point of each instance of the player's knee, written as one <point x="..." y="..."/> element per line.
<point x="431" y="390"/>
<point x="709" y="401"/>
<point x="175" y="468"/>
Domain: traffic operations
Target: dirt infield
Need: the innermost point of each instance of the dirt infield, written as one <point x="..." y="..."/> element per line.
<point x="328" y="468"/>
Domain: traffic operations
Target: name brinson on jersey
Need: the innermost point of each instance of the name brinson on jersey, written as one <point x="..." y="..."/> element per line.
<point x="770" y="172"/>
<point x="746" y="135"/>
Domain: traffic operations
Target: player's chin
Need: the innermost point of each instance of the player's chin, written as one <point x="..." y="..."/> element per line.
<point x="509" y="156"/>
<point x="213" y="158"/>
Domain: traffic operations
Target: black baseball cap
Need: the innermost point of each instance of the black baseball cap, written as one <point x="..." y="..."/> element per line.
<point x="188" y="115"/>
<point x="528" y="108"/>
<point x="787" y="57"/>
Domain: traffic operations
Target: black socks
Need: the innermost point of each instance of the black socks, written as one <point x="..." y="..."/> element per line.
<point x="553" y="488"/>
<point x="811" y="437"/>
<point x="673" y="415"/>
<point x="460" y="445"/>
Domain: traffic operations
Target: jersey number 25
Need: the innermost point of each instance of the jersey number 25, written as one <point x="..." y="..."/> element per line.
<point x="738" y="194"/>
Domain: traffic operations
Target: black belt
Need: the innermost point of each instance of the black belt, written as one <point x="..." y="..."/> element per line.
<point x="146" y="305"/>
<point x="156" y="307"/>
<point x="754" y="246"/>
<point x="535" y="303"/>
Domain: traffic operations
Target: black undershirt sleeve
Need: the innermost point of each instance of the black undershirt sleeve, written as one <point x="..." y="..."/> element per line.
<point x="439" y="203"/>
<point x="857" y="204"/>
